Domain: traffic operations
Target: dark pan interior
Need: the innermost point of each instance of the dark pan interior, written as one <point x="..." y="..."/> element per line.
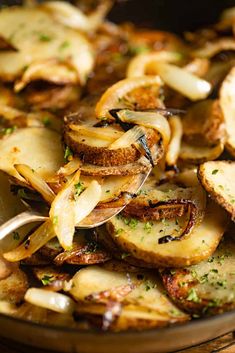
<point x="171" y="15"/>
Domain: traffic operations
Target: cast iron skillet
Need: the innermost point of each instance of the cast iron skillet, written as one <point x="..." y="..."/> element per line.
<point x="176" y="16"/>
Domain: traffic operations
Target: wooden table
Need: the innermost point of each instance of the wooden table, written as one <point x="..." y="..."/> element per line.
<point x="210" y="347"/>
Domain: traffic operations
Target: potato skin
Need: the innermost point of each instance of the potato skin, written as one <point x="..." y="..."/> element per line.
<point x="210" y="186"/>
<point x="103" y="156"/>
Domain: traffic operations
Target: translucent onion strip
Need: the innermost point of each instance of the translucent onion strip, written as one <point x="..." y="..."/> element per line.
<point x="97" y="132"/>
<point x="212" y="48"/>
<point x="140" y="64"/>
<point x="87" y="201"/>
<point x="183" y="81"/>
<point x="175" y="141"/>
<point x="36" y="181"/>
<point x="152" y="120"/>
<point x="69" y="208"/>
<point x="62" y="212"/>
<point x="71" y="16"/>
<point x="113" y="95"/>
<point x="34" y="242"/>
<point x="50" y="300"/>
<point x="128" y="138"/>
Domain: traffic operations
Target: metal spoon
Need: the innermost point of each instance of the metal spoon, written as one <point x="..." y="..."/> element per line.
<point x="38" y="212"/>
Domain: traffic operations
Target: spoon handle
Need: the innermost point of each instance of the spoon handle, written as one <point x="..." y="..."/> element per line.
<point x="20" y="220"/>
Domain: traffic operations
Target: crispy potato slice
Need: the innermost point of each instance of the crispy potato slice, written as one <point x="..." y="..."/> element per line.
<point x="204" y="123"/>
<point x="143" y="303"/>
<point x="14" y="287"/>
<point x="41" y="39"/>
<point x="217" y="177"/>
<point x="167" y="197"/>
<point x="228" y="108"/>
<point x="208" y="287"/>
<point x="141" y="240"/>
<point x="53" y="278"/>
<point x="39" y="148"/>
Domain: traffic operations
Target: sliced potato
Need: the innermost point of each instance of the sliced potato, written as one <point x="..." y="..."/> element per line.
<point x="204" y="123"/>
<point x="142" y="165"/>
<point x="141" y="240"/>
<point x="142" y="299"/>
<point x="40" y="39"/>
<point x="104" y="238"/>
<point x="39" y="148"/>
<point x="208" y="287"/>
<point x="53" y="278"/>
<point x="96" y="151"/>
<point x="217" y="177"/>
<point x="198" y="154"/>
<point x="14" y="287"/>
<point x="227" y="103"/>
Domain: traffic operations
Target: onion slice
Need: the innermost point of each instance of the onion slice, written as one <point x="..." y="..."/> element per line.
<point x="175" y="141"/>
<point x="151" y="120"/>
<point x="97" y="132"/>
<point x="111" y="98"/>
<point x="34" y="242"/>
<point x="142" y="63"/>
<point x="50" y="300"/>
<point x="70" y="16"/>
<point x="68" y="209"/>
<point x="210" y="49"/>
<point x="183" y="81"/>
<point x="36" y="181"/>
<point x="129" y="138"/>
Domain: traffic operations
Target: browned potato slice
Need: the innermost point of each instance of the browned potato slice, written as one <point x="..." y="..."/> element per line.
<point x="227" y="103"/>
<point x="218" y="179"/>
<point x="142" y="165"/>
<point x="96" y="151"/>
<point x="167" y="200"/>
<point x="140" y="239"/>
<point x="14" y="287"/>
<point x="208" y="287"/>
<point x="204" y="123"/>
<point x="140" y="294"/>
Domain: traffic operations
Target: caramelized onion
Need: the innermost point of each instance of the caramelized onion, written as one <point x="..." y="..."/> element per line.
<point x="152" y="120"/>
<point x="36" y="181"/>
<point x="114" y="94"/>
<point x="97" y="132"/>
<point x="143" y="63"/>
<point x="175" y="141"/>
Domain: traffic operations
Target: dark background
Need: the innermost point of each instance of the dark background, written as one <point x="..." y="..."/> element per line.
<point x="173" y="15"/>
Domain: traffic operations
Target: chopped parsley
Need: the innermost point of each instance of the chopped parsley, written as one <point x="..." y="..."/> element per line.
<point x="215" y="171"/>
<point x="16" y="236"/>
<point x="118" y="231"/>
<point x="192" y="296"/>
<point x="148" y="226"/>
<point x="46" y="279"/>
<point x="68" y="154"/>
<point x="46" y="121"/>
<point x="44" y="37"/>
<point x="79" y="188"/>
<point x="124" y="255"/>
<point x="55" y="220"/>
<point x="64" y="45"/>
<point x="9" y="130"/>
<point x="139" y="49"/>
